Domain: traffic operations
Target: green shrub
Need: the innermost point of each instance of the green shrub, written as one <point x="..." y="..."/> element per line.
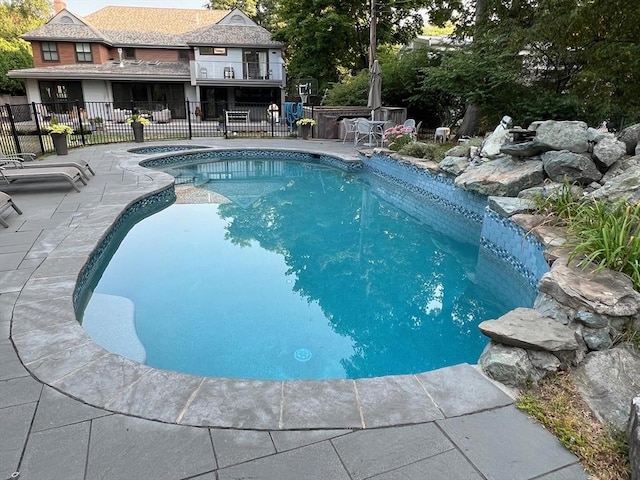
<point x="419" y="150"/>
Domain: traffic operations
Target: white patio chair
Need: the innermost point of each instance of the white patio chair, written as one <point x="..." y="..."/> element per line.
<point x="349" y="127"/>
<point x="364" y="129"/>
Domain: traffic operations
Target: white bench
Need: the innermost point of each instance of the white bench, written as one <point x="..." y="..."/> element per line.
<point x="236" y="116"/>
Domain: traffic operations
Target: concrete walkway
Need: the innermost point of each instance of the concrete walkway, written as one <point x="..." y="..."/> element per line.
<point x="447" y="424"/>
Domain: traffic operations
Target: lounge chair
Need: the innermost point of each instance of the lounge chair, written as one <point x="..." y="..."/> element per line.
<point x="5" y="203"/>
<point x="16" y="174"/>
<point x="27" y="160"/>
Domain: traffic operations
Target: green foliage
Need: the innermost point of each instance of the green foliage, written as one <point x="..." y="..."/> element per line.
<point x="420" y="150"/>
<point x="608" y="235"/>
<point x="14" y="55"/>
<point x="353" y="91"/>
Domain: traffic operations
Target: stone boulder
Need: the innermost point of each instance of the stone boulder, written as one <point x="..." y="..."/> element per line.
<point x="454" y="165"/>
<point x="570" y="136"/>
<point x="621" y="166"/>
<point x="526" y="328"/>
<point x="605" y="292"/>
<point x="529" y="148"/>
<point x="508" y="365"/>
<point x="548" y="190"/>
<point x="630" y="136"/>
<point x="608" y="381"/>
<point x="633" y="434"/>
<point x="508" y="206"/>
<point x="459" y="151"/>
<point x="564" y="165"/>
<point x="625" y="186"/>
<point x="504" y="177"/>
<point x="609" y="150"/>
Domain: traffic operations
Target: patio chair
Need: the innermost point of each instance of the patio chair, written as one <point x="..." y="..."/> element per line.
<point x="14" y="174"/>
<point x="5" y="203"/>
<point x="363" y="129"/>
<point x="349" y="127"/>
<point x="27" y="161"/>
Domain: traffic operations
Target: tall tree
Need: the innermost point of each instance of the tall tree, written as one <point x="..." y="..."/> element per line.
<point x="327" y="38"/>
<point x="18" y="17"/>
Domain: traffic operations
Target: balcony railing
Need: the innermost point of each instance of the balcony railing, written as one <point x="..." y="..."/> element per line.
<point x="226" y="70"/>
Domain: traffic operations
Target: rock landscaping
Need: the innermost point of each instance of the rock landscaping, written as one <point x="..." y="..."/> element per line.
<point x="580" y="313"/>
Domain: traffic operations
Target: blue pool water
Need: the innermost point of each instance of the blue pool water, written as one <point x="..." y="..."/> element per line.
<point x="283" y="270"/>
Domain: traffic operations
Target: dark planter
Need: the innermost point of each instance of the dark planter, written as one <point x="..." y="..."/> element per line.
<point x="138" y="132"/>
<point x="60" y="143"/>
<point x="305" y="130"/>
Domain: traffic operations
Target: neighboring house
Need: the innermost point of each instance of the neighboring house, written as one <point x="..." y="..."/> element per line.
<point x="158" y="57"/>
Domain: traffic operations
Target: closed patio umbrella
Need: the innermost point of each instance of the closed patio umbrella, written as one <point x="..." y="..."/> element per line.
<point x="375" y="88"/>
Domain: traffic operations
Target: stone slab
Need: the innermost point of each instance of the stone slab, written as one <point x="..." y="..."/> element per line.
<point x="56" y="410"/>
<point x="371" y="452"/>
<point x="131" y="448"/>
<point x="290" y="439"/>
<point x="461" y="389"/>
<point x="57" y="453"/>
<point x="317" y="461"/>
<point x="239" y="446"/>
<point x="16" y="391"/>
<point x="505" y="444"/>
<point x="395" y="400"/>
<point x="450" y="465"/>
<point x="10" y="365"/>
<point x="14" y="425"/>
<point x="327" y="404"/>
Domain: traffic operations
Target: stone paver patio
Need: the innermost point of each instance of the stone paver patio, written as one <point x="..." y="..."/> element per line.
<point x="69" y="410"/>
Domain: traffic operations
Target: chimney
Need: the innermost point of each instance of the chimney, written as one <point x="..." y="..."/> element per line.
<point x="58" y="6"/>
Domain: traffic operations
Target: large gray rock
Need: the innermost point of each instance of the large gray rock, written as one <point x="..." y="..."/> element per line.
<point x="608" y="381"/>
<point x="564" y="165"/>
<point x="609" y="150"/>
<point x="504" y="177"/>
<point x="508" y="365"/>
<point x="570" y="136"/>
<point x="605" y="292"/>
<point x="458" y="151"/>
<point x="597" y="338"/>
<point x="507" y="206"/>
<point x="633" y="434"/>
<point x="548" y="190"/>
<point x="529" y="148"/>
<point x="630" y="136"/>
<point x="526" y="328"/>
<point x="621" y="166"/>
<point x="454" y="165"/>
<point x="625" y="186"/>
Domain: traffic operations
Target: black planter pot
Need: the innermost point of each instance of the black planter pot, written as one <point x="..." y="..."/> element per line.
<point x="60" y="143"/>
<point x="138" y="132"/>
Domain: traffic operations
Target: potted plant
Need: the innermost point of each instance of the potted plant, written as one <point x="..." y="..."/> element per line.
<point x="305" y="125"/>
<point x="98" y="122"/>
<point x="59" y="132"/>
<point x="137" y="123"/>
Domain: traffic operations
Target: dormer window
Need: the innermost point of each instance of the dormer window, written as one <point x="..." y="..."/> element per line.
<point x="49" y="51"/>
<point x="83" y="52"/>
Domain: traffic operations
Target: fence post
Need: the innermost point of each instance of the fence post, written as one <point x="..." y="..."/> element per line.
<point x="35" y="116"/>
<point x="189" y="118"/>
<point x="14" y="132"/>
<point x="79" y="115"/>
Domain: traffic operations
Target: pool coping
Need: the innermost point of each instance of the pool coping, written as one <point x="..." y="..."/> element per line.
<point x="56" y="350"/>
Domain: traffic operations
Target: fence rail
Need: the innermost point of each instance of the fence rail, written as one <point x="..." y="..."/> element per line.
<point x="23" y="128"/>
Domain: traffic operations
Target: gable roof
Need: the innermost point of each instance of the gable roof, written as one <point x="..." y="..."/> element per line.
<point x="155" y="27"/>
<point x="160" y="20"/>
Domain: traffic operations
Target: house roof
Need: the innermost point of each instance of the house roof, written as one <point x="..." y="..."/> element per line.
<point x="230" y="35"/>
<point x="159" y="20"/>
<point x="154" y="27"/>
<point x="159" y="71"/>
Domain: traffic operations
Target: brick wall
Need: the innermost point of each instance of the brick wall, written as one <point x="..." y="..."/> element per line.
<point x="66" y="54"/>
<point x="150" y="54"/>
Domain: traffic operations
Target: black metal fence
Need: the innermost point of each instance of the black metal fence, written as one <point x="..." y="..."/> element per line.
<point x="24" y="128"/>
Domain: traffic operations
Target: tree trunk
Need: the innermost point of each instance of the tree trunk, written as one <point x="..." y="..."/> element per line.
<point x="470" y="122"/>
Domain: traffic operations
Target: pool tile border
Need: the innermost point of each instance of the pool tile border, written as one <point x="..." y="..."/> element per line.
<point x="57" y="351"/>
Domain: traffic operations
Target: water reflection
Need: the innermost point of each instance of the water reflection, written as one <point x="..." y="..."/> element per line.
<point x="408" y="296"/>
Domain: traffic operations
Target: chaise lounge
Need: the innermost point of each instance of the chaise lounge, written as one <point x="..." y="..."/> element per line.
<point x="12" y="175"/>
<point x="5" y="203"/>
<point x="27" y="160"/>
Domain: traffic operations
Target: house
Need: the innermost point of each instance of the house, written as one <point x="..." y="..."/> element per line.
<point x="155" y="59"/>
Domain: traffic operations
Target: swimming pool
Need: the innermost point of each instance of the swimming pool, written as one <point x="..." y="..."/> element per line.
<point x="336" y="281"/>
